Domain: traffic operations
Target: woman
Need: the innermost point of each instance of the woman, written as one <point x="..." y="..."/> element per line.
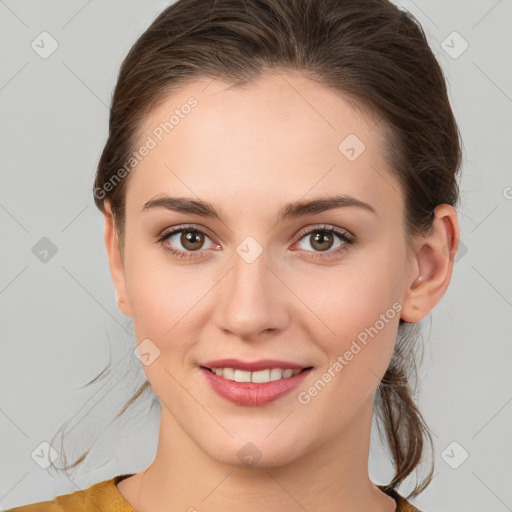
<point x="278" y="189"/>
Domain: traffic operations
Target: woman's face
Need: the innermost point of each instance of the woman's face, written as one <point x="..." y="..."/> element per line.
<point x="264" y="280"/>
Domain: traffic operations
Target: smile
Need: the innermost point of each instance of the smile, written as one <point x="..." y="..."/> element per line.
<point x="255" y="388"/>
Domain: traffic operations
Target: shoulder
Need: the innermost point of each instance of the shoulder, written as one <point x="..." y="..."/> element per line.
<point x="402" y="505"/>
<point x="102" y="496"/>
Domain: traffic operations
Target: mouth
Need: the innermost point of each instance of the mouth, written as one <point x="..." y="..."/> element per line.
<point x="254" y="388"/>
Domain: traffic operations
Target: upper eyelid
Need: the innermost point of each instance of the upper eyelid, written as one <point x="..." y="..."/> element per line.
<point x="324" y="227"/>
<point x="176" y="229"/>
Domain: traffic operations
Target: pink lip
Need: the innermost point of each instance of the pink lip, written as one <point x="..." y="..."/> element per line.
<point x="251" y="393"/>
<point x="253" y="366"/>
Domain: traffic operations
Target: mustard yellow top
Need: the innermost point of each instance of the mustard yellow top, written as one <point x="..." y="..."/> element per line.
<point x="106" y="497"/>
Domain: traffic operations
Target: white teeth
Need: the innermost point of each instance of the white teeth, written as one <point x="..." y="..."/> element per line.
<point x="242" y="376"/>
<point x="260" y="376"/>
<point x="228" y="373"/>
<point x="276" y="374"/>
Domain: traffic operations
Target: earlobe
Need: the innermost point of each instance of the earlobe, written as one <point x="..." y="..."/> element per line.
<point x="115" y="260"/>
<point x="434" y="257"/>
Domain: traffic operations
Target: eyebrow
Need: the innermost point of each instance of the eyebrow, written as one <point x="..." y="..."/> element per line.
<point x="289" y="211"/>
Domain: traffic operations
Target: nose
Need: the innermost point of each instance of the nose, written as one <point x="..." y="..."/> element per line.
<point x="252" y="299"/>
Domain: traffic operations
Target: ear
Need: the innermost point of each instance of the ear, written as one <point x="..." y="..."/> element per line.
<point x="431" y="271"/>
<point x="115" y="259"/>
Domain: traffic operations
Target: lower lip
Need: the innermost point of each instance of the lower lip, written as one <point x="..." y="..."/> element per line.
<point x="252" y="393"/>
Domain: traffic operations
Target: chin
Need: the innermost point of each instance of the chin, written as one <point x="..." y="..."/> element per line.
<point x="260" y="452"/>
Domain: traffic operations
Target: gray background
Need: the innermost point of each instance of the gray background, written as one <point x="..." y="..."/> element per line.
<point x="59" y="319"/>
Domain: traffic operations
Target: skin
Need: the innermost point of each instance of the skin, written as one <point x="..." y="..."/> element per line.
<point x="248" y="151"/>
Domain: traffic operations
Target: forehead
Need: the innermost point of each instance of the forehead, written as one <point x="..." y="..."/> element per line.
<point x="277" y="139"/>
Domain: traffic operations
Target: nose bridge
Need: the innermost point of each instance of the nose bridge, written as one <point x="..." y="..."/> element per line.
<point x="252" y="298"/>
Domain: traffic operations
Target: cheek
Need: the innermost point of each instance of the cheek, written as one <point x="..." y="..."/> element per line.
<point x="152" y="292"/>
<point x="166" y="300"/>
<point x="356" y="317"/>
<point x="357" y="337"/>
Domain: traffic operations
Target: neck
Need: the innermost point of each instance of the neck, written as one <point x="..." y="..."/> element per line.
<point x="331" y="477"/>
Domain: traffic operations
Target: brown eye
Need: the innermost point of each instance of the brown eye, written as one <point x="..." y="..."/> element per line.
<point x="324" y="238"/>
<point x="185" y="241"/>
<point x="192" y="240"/>
<point x="322" y="241"/>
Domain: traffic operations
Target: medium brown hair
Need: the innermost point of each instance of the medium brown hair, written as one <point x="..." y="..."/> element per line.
<point x="372" y="53"/>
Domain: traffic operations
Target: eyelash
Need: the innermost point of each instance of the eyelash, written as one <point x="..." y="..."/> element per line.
<point x="343" y="235"/>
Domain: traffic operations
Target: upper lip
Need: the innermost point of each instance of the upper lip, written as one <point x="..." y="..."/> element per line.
<point x="253" y="366"/>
